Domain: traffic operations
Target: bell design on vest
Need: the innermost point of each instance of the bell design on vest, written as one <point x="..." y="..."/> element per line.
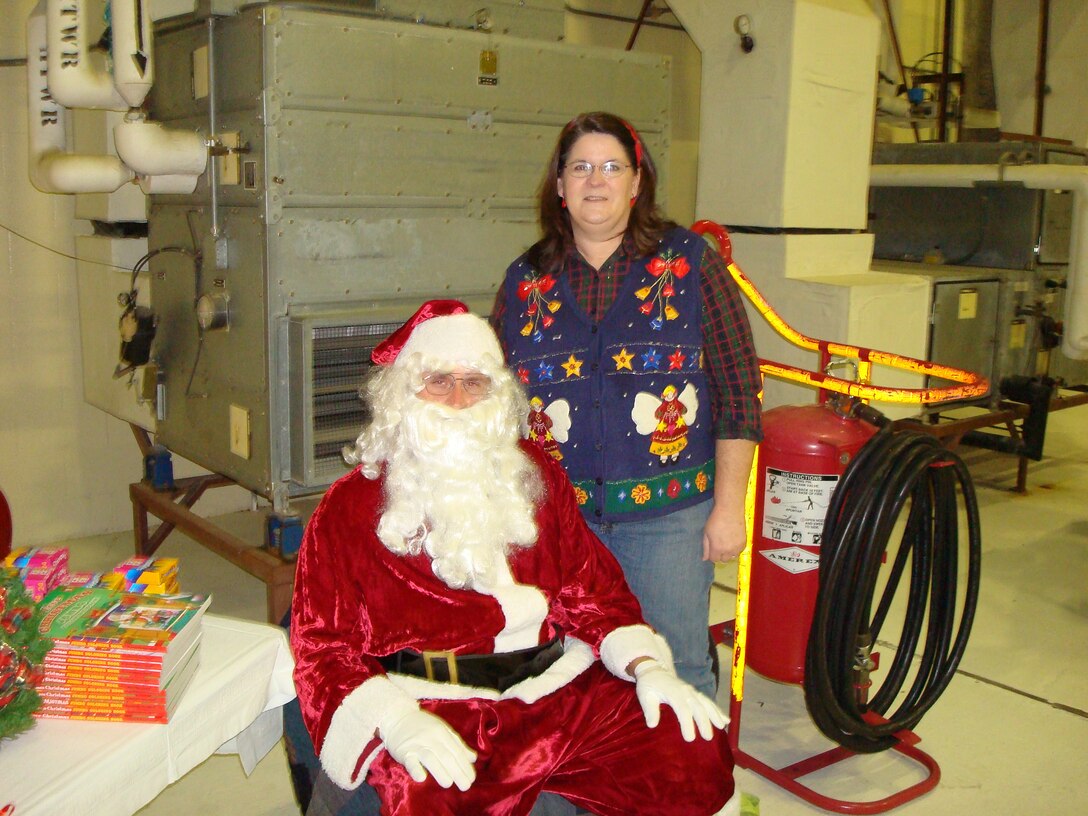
<point x="666" y="419"/>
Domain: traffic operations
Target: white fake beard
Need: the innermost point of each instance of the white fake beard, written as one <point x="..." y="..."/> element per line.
<point x="460" y="488"/>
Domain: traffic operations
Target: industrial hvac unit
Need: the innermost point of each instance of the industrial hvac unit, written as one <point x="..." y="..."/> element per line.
<point x="997" y="255"/>
<point x="364" y="165"/>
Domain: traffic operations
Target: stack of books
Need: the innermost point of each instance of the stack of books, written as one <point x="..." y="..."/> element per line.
<point x="118" y="655"/>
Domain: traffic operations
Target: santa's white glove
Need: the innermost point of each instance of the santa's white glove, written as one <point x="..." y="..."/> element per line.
<point x="424" y="743"/>
<point x="655" y="684"/>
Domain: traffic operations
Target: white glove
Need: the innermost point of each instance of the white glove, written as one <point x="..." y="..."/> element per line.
<point x="424" y="743"/>
<point x="654" y="685"/>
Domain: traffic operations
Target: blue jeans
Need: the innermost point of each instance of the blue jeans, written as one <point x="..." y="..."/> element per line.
<point x="662" y="559"/>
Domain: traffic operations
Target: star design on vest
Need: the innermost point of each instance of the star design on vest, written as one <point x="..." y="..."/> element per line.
<point x="523" y="375"/>
<point x="545" y="372"/>
<point x="651" y="360"/>
<point x="623" y="360"/>
<point x="573" y="366"/>
<point x="676" y="360"/>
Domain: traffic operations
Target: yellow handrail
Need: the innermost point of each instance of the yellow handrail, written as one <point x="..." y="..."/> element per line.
<point x="969" y="384"/>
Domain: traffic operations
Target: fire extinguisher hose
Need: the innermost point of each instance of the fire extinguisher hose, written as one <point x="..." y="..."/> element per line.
<point x="897" y="470"/>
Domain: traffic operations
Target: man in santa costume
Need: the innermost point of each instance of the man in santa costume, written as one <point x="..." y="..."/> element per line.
<point x="462" y="640"/>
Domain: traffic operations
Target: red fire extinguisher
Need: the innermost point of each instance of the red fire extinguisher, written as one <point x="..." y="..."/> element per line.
<point x="803" y="455"/>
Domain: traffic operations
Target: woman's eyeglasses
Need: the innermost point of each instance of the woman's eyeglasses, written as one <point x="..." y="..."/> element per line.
<point x="439" y="385"/>
<point x="583" y="169"/>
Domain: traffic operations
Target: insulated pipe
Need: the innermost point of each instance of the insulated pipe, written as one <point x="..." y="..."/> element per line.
<point x="133" y="68"/>
<point x="1035" y="177"/>
<point x="172" y="184"/>
<point x="52" y="168"/>
<point x="73" y="81"/>
<point x="151" y="149"/>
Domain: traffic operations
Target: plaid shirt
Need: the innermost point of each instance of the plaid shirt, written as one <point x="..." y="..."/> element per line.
<point x="731" y="362"/>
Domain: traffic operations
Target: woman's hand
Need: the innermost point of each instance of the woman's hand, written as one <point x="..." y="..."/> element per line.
<point x="724" y="536"/>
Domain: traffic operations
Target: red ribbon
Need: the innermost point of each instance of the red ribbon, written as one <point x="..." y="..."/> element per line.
<point x="542" y="284"/>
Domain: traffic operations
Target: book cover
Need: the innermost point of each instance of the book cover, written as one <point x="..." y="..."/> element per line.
<point x="88" y="620"/>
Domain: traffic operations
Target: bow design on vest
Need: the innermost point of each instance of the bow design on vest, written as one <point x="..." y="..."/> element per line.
<point x="538" y="308"/>
<point x="666" y="269"/>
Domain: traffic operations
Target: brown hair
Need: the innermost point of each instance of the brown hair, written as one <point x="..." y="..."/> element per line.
<point x="646" y="225"/>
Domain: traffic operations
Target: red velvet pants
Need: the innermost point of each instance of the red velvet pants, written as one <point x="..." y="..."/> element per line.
<point x="587" y="741"/>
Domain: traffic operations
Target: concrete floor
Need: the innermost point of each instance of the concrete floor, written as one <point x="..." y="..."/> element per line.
<point x="1009" y="733"/>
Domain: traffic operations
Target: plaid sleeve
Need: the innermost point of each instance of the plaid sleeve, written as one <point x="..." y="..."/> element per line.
<point x="730" y="356"/>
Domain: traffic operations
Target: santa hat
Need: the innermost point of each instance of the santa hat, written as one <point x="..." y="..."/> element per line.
<point x="443" y="331"/>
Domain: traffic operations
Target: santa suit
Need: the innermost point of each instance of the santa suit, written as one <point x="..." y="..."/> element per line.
<point x="577" y="729"/>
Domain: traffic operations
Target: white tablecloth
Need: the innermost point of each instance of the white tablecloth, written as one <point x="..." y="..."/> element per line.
<point x="114" y="769"/>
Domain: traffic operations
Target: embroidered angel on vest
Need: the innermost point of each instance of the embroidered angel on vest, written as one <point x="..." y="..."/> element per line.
<point x="666" y="419"/>
<point x="549" y="426"/>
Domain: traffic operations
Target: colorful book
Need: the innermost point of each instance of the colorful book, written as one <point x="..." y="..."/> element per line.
<point x="93" y="623"/>
<point x="117" y="702"/>
<point x="130" y="679"/>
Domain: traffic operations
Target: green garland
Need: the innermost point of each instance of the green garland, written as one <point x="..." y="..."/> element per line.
<point x="22" y="650"/>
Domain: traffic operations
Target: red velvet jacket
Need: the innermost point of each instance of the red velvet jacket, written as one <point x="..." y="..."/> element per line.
<point x="355" y="601"/>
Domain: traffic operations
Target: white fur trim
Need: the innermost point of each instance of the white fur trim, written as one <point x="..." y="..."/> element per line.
<point x="577" y="657"/>
<point x="732" y="807"/>
<point x="459" y="338"/>
<point x="628" y="643"/>
<point x="354" y="724"/>
<point x="524" y="607"/>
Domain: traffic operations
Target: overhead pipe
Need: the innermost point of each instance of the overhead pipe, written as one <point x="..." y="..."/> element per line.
<point x="162" y="160"/>
<point x="1033" y="176"/>
<point x="52" y="168"/>
<point x="133" y="67"/>
<point x="74" y="81"/>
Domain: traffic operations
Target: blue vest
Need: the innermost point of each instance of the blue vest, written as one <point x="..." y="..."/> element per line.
<point x="622" y="403"/>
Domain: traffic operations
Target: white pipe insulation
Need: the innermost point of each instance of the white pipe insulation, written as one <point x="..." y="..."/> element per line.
<point x="52" y="168"/>
<point x="1035" y="177"/>
<point x="74" y="81"/>
<point x="163" y="161"/>
<point x="133" y="67"/>
<point x="153" y="150"/>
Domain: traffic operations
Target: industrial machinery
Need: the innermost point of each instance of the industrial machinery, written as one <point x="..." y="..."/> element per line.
<point x="997" y="253"/>
<point x="362" y="164"/>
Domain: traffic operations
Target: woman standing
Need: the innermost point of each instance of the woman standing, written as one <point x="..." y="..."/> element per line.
<point x="630" y="333"/>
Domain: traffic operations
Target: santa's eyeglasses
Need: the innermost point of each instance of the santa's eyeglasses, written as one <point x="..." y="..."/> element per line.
<point x="439" y="385"/>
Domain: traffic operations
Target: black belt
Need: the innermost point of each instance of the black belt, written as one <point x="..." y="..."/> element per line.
<point x="497" y="671"/>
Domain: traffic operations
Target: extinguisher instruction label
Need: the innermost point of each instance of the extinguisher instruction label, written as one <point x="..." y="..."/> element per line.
<point x="795" y="505"/>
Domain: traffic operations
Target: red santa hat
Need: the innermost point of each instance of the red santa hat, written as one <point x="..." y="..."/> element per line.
<point x="443" y="331"/>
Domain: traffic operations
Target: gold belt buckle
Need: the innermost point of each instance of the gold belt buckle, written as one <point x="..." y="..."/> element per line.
<point x="448" y="657"/>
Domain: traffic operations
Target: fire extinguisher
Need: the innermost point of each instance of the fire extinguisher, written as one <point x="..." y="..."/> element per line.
<point x="804" y="452"/>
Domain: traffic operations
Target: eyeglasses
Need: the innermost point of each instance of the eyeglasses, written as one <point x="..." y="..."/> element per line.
<point x="583" y="169"/>
<point x="439" y="385"/>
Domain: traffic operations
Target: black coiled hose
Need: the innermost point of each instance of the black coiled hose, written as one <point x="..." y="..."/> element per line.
<point x="896" y="468"/>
